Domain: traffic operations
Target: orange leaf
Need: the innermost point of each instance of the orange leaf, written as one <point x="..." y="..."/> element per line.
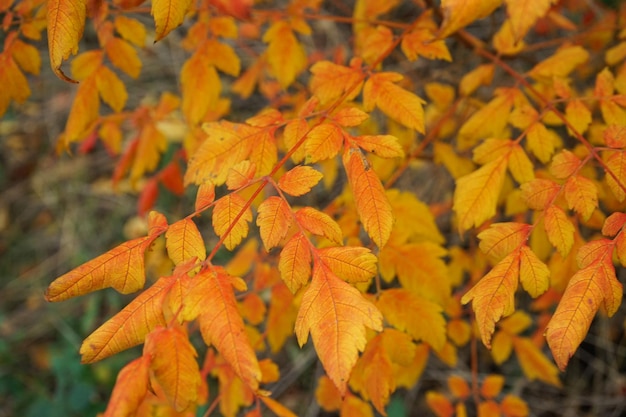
<point x="130" y="388"/>
<point x="593" y="285"/>
<point x="419" y="317"/>
<point x="459" y="13"/>
<point x="168" y="15"/>
<point x="274" y="220"/>
<point x="331" y="81"/>
<point x="476" y="194"/>
<point x="439" y="404"/>
<point x="121" y="268"/>
<point x="299" y="180"/>
<point x="335" y="313"/>
<point x="240" y="175"/>
<point x="174" y="365"/>
<point x="503" y="238"/>
<point x="616" y="163"/>
<point x="534" y="363"/>
<point x="281" y="317"/>
<point x="151" y="143"/>
<point x="221" y="324"/>
<point x="264" y="153"/>
<point x="294" y="131"/>
<point x="492" y="386"/>
<point x="327" y="394"/>
<point x="352" y="263"/>
<point x="523" y="14"/>
<point x="559" y="229"/>
<point x="295" y="262"/>
<point x="613" y="224"/>
<point x="354" y="406"/>
<point x="84" y="111"/>
<point x="538" y="193"/>
<point x="493" y="297"/>
<point x="231" y="212"/>
<point x="323" y="142"/>
<point x="276" y="407"/>
<point x="581" y="196"/>
<point x="319" y="223"/>
<point x="66" y="22"/>
<point x="514" y="406"/>
<point x="205" y="195"/>
<point x="130" y="326"/>
<point x="285" y="54"/>
<point x="369" y="195"/>
<point x="423" y="42"/>
<point x="385" y="146"/>
<point x="183" y="242"/>
<point x="350" y="116"/>
<point x="458" y="387"/>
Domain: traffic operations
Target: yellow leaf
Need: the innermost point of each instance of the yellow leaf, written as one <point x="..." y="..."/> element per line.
<point x="331" y="81"/>
<point x="174" y="365"/>
<point x="281" y="316"/>
<point x="123" y="56"/>
<point x="66" y="22"/>
<point x="201" y="87"/>
<point x="534" y="363"/>
<point x="369" y="195"/>
<point x="501" y="239"/>
<point x="277" y="408"/>
<point x="223" y="57"/>
<point x="559" y="229"/>
<point x="578" y="115"/>
<point x="130" y="326"/>
<point x="285" y="55"/>
<point x="336" y="314"/>
<point x="385" y="146"/>
<point x="274" y="219"/>
<point x="422" y="42"/>
<point x="130" y="388"/>
<point x="299" y="180"/>
<point x="520" y="166"/>
<point x="419" y="317"/>
<point x="230" y="212"/>
<point x="539" y="193"/>
<point x="184" y="242"/>
<point x="414" y="220"/>
<point x="168" y="15"/>
<point x="505" y="40"/>
<point x="352" y="263"/>
<point x="476" y="194"/>
<point x="373" y="41"/>
<point x="488" y="121"/>
<point x="542" y="141"/>
<point x="323" y="142"/>
<point x="319" y="223"/>
<point x="616" y="164"/>
<point x="559" y="65"/>
<point x="581" y="196"/>
<point x="501" y="347"/>
<point x="534" y="274"/>
<point x="564" y="164"/>
<point x="84" y="111"/>
<point x="295" y="262"/>
<point x="130" y="29"/>
<point x="111" y="88"/>
<point x="349" y="116"/>
<point x="524" y="13"/>
<point x="26" y="56"/>
<point x="514" y="406"/>
<point x="493" y="297"/>
<point x="459" y="13"/>
<point x="491" y="386"/>
<point x="264" y="153"/>
<point x="240" y="175"/>
<point x="481" y="75"/>
<point x="151" y="143"/>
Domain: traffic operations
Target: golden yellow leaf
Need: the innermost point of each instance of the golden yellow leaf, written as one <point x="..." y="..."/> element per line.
<point x="336" y="314"/>
<point x="331" y="81"/>
<point x="505" y="40"/>
<point x="264" y="153"/>
<point x="492" y="386"/>
<point x="168" y="15"/>
<point x="414" y="220"/>
<point x="130" y="29"/>
<point x="111" y="88"/>
<point x="501" y="347"/>
<point x="349" y="117"/>
<point x="501" y="239"/>
<point x="534" y="363"/>
<point x="581" y="195"/>
<point x="352" y="263"/>
<point x="319" y="223"/>
<point x="542" y="141"/>
<point x="476" y="194"/>
<point x="369" y="195"/>
<point x="130" y="388"/>
<point x="489" y="121"/>
<point x="150" y="144"/>
<point x="174" y="365"/>
<point x="184" y="242"/>
<point x="201" y="87"/>
<point x="559" y="65"/>
<point x="323" y="142"/>
<point x="385" y="146"/>
<point x="84" y="111"/>
<point x="559" y="229"/>
<point x="295" y="262"/>
<point x="514" y="406"/>
<point x="240" y="175"/>
<point x="372" y="42"/>
<point x="423" y="42"/>
<point x="578" y="115"/>
<point x="66" y="22"/>
<point x="26" y="56"/>
<point x="524" y="13"/>
<point x="274" y="219"/>
<point x="520" y="166"/>
<point x="534" y="274"/>
<point x="123" y="56"/>
<point x="481" y="75"/>
<point x="493" y="297"/>
<point x="230" y="212"/>
<point x="539" y="193"/>
<point x="222" y="56"/>
<point x="459" y="13"/>
<point x="299" y="180"/>
<point x="281" y="317"/>
<point x="294" y="131"/>
<point x="285" y="54"/>
<point x="419" y="317"/>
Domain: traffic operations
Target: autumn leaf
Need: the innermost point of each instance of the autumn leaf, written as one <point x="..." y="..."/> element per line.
<point x="559" y="229"/>
<point x="66" y="22"/>
<point x="183" y="242"/>
<point x="273" y="220"/>
<point x="323" y="142"/>
<point x="201" y="86"/>
<point x="503" y="238"/>
<point x="371" y="202"/>
<point x="230" y="215"/>
<point x="168" y="15"/>
<point x="285" y="54"/>
<point x="330" y="81"/>
<point x="352" y="263"/>
<point x="534" y="274"/>
<point x="616" y="164"/>
<point x="295" y="262"/>
<point x="581" y="195"/>
<point x="130" y="388"/>
<point x="336" y="314"/>
<point x="458" y="13"/>
<point x="121" y="268"/>
<point x="534" y="363"/>
<point x="524" y="14"/>
<point x="385" y="146"/>
<point x="319" y="223"/>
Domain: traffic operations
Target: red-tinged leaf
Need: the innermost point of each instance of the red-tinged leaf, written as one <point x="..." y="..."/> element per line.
<point x="588" y="289"/>
<point x="148" y="196"/>
<point x="493" y="297"/>
<point x="349" y="117"/>
<point x="613" y="224"/>
<point x="276" y="407"/>
<point x="369" y="195"/>
<point x="130" y="388"/>
<point x="319" y="223"/>
<point x="439" y="404"/>
<point x="240" y="175"/>
<point x="458" y="13"/>
<point x="534" y="363"/>
<point x="66" y="22"/>
<point x="385" y="146"/>
<point x="168" y="15"/>
<point x="111" y="88"/>
<point x="205" y="195"/>
<point x="174" y="365"/>
<point x="523" y="14"/>
<point x="559" y="229"/>
<point x="183" y="242"/>
<point x="559" y="65"/>
<point x="285" y="55"/>
<point x="423" y="42"/>
<point x="539" y="193"/>
<point x="352" y="263"/>
<point x="295" y="262"/>
<point x="616" y="164"/>
<point x="226" y="145"/>
<point x="299" y="180"/>
<point x="222" y="326"/>
<point x="419" y="317"/>
<point x="274" y="220"/>
<point x="172" y="178"/>
<point x="331" y="81"/>
<point x="534" y="274"/>
<point x="121" y="268"/>
<point x="476" y="194"/>
<point x="336" y="314"/>
<point x="230" y="212"/>
<point x="201" y="87"/>
<point x="123" y="56"/>
<point x="130" y="326"/>
<point x="323" y="142"/>
<point x="503" y="238"/>
<point x="581" y="196"/>
<point x="397" y="103"/>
